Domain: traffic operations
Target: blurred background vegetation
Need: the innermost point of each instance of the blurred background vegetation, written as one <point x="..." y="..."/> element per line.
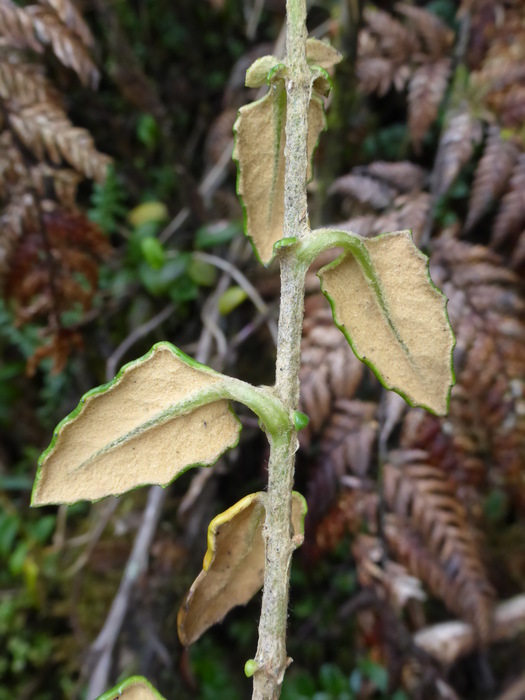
<point x="118" y="196"/>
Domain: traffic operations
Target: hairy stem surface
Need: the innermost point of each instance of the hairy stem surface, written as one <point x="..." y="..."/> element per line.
<point x="271" y="651"/>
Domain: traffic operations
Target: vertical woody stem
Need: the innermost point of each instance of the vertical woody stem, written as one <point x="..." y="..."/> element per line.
<point x="271" y="655"/>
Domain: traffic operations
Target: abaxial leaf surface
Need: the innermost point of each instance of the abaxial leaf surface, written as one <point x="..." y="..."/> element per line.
<point x="394" y="317"/>
<point x="135" y="688"/>
<point x="233" y="566"/>
<point x="162" y="414"/>
<point x="259" y="151"/>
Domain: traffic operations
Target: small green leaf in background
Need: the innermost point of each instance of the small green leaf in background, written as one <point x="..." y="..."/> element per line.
<point x="148" y="212"/>
<point x="375" y="673"/>
<point x="231" y="299"/>
<point x="107" y="202"/>
<point x="153" y="252"/>
<point x="216" y="234"/>
<point x="148" y="131"/>
<point x="202" y="273"/>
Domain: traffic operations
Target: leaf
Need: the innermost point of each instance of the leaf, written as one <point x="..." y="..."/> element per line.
<point x="320" y="53"/>
<point x="233" y="566"/>
<point x="394" y="317"/>
<point x="456" y="146"/>
<point x="147" y="212"/>
<point x="147" y="426"/>
<point x="426" y="90"/>
<point x="257" y="73"/>
<point x="492" y="174"/>
<point x="134" y="688"/>
<point x="511" y="215"/>
<point x="364" y="189"/>
<point x="259" y="152"/>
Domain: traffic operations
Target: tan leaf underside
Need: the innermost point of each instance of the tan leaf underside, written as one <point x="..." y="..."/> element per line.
<point x="137" y="692"/>
<point x="259" y="149"/>
<point x="108" y="448"/>
<point x="417" y="360"/>
<point x="233" y="567"/>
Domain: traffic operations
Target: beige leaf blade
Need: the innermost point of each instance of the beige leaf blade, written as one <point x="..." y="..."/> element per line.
<point x="233" y="566"/>
<point x="320" y="53"/>
<point x="259" y="152"/>
<point x="134" y="688"/>
<point x="394" y="318"/>
<point x="161" y="415"/>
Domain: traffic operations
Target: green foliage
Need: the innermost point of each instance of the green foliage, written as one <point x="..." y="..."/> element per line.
<point x="331" y="683"/>
<point x="107" y="202"/>
<point x="210" y="668"/>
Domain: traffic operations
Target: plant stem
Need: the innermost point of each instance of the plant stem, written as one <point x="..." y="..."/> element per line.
<point x="271" y="655"/>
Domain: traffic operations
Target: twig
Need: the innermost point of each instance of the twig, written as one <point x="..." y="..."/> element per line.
<point x="245" y="284"/>
<point x="516" y="691"/>
<point x="448" y="641"/>
<point x="253" y="21"/>
<point x="101" y="651"/>
<point x="209" y="320"/>
<point x="207" y="187"/>
<point x="214" y="178"/>
<point x="103" y="516"/>
<point x="140" y="332"/>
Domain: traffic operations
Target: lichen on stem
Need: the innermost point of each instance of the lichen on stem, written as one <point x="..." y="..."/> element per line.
<point x="271" y="655"/>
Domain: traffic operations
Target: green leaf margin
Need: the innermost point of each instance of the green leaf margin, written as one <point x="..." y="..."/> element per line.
<point x="367" y="362"/>
<point x="116" y="692"/>
<point x="103" y="388"/>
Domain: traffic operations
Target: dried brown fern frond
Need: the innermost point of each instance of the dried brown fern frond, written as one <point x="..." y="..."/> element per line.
<point x="345" y="450"/>
<point x="496" y="54"/>
<point x="394" y="186"/>
<point x="71" y="17"/>
<point x="468" y="596"/>
<point x="492" y="175"/>
<point x="510" y="220"/>
<point x="49" y="252"/>
<point x="34" y="27"/>
<point x="392" y="37"/>
<point x="394" y="54"/>
<point x="21" y="85"/>
<point x="455" y="149"/>
<point x="46" y="131"/>
<point x="425" y="92"/>
<point x="53" y="268"/>
<point x="389" y="579"/>
<point x="436" y="36"/>
<point x="486" y="421"/>
<point x="354" y="510"/>
<point x="403" y="175"/>
<point x="429" y="517"/>
<point x="17" y="27"/>
<point x="67" y="47"/>
<point x="364" y="189"/>
<point x="329" y="369"/>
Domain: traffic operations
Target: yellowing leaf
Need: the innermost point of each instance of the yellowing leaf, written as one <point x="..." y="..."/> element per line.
<point x="259" y="151"/>
<point x="394" y="317"/>
<point x="162" y="414"/>
<point x="148" y="212"/>
<point x="135" y="688"/>
<point x="320" y="53"/>
<point x="233" y="566"/>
